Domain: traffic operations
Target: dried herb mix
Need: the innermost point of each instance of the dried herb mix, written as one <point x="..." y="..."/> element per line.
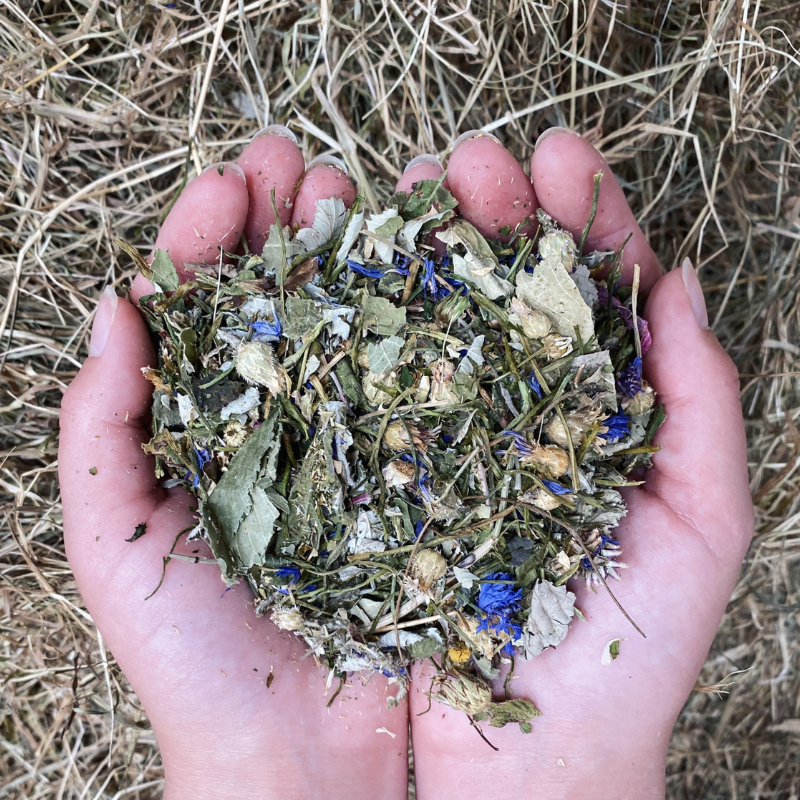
<point x="404" y="437"/>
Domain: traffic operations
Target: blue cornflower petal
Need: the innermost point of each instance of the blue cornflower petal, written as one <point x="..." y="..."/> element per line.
<point x="264" y="328"/>
<point x="533" y="382"/>
<point x="362" y="270"/>
<point x="618" y="425"/>
<point x="203" y="456"/>
<point x="293" y="573"/>
<point x="629" y="381"/>
<point x="555" y="487"/>
<point x="523" y="448"/>
<point x="498" y="598"/>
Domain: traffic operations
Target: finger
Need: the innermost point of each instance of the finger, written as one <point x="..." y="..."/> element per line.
<point x="492" y="190"/>
<point x="701" y="469"/>
<point x="422" y="168"/>
<point x="209" y="214"/>
<point x="326" y="177"/>
<point x="271" y="161"/>
<point x="106" y="478"/>
<point x="563" y="166"/>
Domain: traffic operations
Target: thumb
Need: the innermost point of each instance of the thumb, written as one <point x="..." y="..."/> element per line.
<point x="108" y="484"/>
<point x="701" y="470"/>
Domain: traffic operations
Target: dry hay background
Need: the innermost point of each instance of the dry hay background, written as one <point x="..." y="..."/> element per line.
<point x="694" y="103"/>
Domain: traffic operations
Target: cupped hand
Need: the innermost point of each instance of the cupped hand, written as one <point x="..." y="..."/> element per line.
<point x="605" y="728"/>
<point x="200" y="661"/>
<point x="237" y="708"/>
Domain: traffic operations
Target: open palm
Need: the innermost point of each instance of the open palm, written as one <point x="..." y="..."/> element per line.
<point x="235" y="705"/>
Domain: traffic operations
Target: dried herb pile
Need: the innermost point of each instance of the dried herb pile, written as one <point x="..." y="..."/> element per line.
<point x="404" y="437"/>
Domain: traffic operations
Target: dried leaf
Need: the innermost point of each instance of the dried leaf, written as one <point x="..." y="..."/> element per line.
<point x="553" y="292"/>
<point x="232" y="498"/>
<point x="376" y="223"/>
<point x="329" y="221"/>
<point x="384" y="354"/>
<point x="382" y="316"/>
<point x="479" y="265"/>
<point x="165" y="276"/>
<point x="552" y="608"/>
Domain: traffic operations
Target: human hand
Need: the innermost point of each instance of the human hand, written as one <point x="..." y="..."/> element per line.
<point x="601" y="725"/>
<point x="235" y="706"/>
<point x="605" y="729"/>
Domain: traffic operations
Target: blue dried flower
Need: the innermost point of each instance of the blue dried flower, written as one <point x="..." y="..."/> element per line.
<point x="555" y="487"/>
<point x="293" y="573"/>
<point x="523" y="448"/>
<point x="499" y="598"/>
<point x="533" y="382"/>
<point x="618" y="425"/>
<point x="203" y="456"/>
<point x="265" y="328"/>
<point x="629" y="382"/>
<point x="362" y="270"/>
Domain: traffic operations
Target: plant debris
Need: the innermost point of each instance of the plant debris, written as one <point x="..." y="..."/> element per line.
<point x="406" y="454"/>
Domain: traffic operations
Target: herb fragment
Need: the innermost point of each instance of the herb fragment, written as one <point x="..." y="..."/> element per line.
<point x="406" y="455"/>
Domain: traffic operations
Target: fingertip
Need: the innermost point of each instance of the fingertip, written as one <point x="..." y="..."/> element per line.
<point x="563" y="167"/>
<point x="322" y="180"/>
<point x="422" y="168"/>
<point x="271" y="161"/>
<point x="209" y="215"/>
<point x="492" y="189"/>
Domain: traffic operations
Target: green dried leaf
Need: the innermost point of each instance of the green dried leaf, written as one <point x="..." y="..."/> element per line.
<point x="329" y="220"/>
<point x="302" y="316"/>
<point x="426" y="647"/>
<point x="165" y="276"/>
<point x="520" y="711"/>
<point x="424" y="195"/>
<point x="252" y="538"/>
<point x="232" y="498"/>
<point x="383" y="355"/>
<point x="141" y="530"/>
<point x="552" y="291"/>
<point x="382" y="316"/>
<point x="479" y="265"/>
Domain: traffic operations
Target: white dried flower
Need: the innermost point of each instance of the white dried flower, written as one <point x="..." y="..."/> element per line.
<point x="555" y="346"/>
<point x="427" y="567"/>
<point x="533" y="323"/>
<point x="400" y="435"/>
<point x="641" y="402"/>
<point x="255" y="362"/>
<point x="578" y="423"/>
<point x="550" y="459"/>
<point x="542" y="499"/>
<point x="235" y="434"/>
<point x="287" y="619"/>
<point x="398" y="473"/>
<point x="559" y="245"/>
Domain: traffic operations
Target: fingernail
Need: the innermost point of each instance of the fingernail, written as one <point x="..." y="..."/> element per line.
<point x="695" y="293"/>
<point x="472" y="135"/>
<point x="103" y="320"/>
<point x="221" y="166"/>
<point x="425" y="158"/>
<point x="276" y="130"/>
<point x="327" y="161"/>
<point x="553" y="131"/>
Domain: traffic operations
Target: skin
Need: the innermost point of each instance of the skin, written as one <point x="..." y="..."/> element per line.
<point x="199" y="659"/>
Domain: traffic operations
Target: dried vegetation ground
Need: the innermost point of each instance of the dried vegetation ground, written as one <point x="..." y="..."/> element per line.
<point x="107" y="107"/>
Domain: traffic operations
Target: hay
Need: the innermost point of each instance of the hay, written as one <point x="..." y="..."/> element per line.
<point x="694" y="104"/>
